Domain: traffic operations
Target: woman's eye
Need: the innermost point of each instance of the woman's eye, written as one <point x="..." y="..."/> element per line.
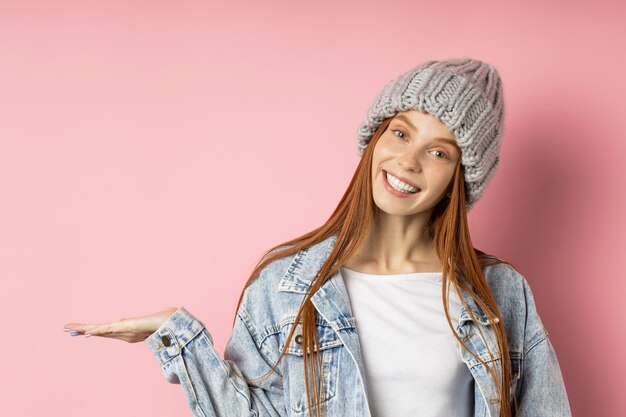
<point x="398" y="130"/>
<point x="444" y="155"/>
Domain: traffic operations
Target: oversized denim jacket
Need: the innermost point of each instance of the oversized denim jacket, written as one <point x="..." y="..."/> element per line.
<point x="185" y="351"/>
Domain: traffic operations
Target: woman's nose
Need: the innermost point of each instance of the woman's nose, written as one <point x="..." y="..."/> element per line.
<point x="410" y="161"/>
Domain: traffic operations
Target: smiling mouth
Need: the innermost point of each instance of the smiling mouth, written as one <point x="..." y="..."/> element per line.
<point x="398" y="185"/>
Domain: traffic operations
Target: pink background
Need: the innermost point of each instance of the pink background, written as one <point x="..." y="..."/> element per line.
<point x="150" y="152"/>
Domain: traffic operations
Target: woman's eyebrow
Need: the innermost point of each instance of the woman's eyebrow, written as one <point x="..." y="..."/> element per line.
<point x="448" y="140"/>
<point x="412" y="126"/>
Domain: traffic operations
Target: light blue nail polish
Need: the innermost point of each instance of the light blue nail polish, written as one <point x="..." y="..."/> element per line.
<point x="88" y="335"/>
<point x="65" y="329"/>
<point x="74" y="333"/>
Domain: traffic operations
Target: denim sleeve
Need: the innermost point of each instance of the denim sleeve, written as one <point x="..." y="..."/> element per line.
<point x="542" y="391"/>
<point x="213" y="386"/>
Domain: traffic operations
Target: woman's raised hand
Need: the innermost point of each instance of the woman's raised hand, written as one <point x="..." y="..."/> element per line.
<point x="131" y="329"/>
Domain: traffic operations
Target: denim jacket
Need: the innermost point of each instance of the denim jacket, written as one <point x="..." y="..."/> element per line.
<point x="184" y="348"/>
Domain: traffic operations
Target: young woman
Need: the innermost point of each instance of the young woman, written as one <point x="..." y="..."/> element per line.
<point x="387" y="309"/>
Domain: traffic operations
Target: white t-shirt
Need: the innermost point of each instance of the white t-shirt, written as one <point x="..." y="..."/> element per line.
<point x="412" y="361"/>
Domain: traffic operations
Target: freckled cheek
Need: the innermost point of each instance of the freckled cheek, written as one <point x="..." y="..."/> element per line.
<point x="386" y="154"/>
<point x="443" y="178"/>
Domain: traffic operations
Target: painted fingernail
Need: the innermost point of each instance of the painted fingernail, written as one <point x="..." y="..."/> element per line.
<point x="88" y="335"/>
<point x="65" y="329"/>
<point x="74" y="333"/>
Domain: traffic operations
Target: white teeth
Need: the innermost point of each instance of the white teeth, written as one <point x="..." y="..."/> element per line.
<point x="400" y="185"/>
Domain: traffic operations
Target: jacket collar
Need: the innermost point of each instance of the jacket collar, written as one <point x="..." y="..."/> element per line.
<point x="307" y="263"/>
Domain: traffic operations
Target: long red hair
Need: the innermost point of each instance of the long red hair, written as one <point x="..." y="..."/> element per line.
<point x="351" y="222"/>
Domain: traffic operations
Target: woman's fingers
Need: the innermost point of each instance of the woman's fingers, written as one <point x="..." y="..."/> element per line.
<point x="79" y="327"/>
<point x="106" y="329"/>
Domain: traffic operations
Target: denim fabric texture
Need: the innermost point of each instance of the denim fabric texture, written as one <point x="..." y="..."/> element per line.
<point x="184" y="348"/>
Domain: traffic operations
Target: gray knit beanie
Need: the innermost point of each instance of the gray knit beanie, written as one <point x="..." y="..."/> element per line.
<point x="466" y="95"/>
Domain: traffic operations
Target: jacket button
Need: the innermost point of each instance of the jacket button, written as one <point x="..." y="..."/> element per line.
<point x="166" y="340"/>
<point x="299" y="339"/>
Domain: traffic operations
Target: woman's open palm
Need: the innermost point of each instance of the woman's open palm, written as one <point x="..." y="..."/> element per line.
<point x="131" y="329"/>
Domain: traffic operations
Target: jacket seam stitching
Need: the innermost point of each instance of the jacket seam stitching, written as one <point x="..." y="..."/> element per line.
<point x="533" y="345"/>
<point x="253" y="332"/>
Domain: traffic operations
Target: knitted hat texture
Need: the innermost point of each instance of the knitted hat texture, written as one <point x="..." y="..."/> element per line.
<point x="466" y="95"/>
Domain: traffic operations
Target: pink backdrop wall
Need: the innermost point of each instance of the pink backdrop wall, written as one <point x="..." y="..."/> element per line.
<point x="150" y="151"/>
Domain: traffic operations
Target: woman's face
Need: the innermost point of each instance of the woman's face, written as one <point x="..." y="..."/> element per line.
<point x="419" y="150"/>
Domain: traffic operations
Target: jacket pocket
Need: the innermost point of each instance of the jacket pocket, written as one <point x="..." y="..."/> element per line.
<point x="516" y="372"/>
<point x="329" y="349"/>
